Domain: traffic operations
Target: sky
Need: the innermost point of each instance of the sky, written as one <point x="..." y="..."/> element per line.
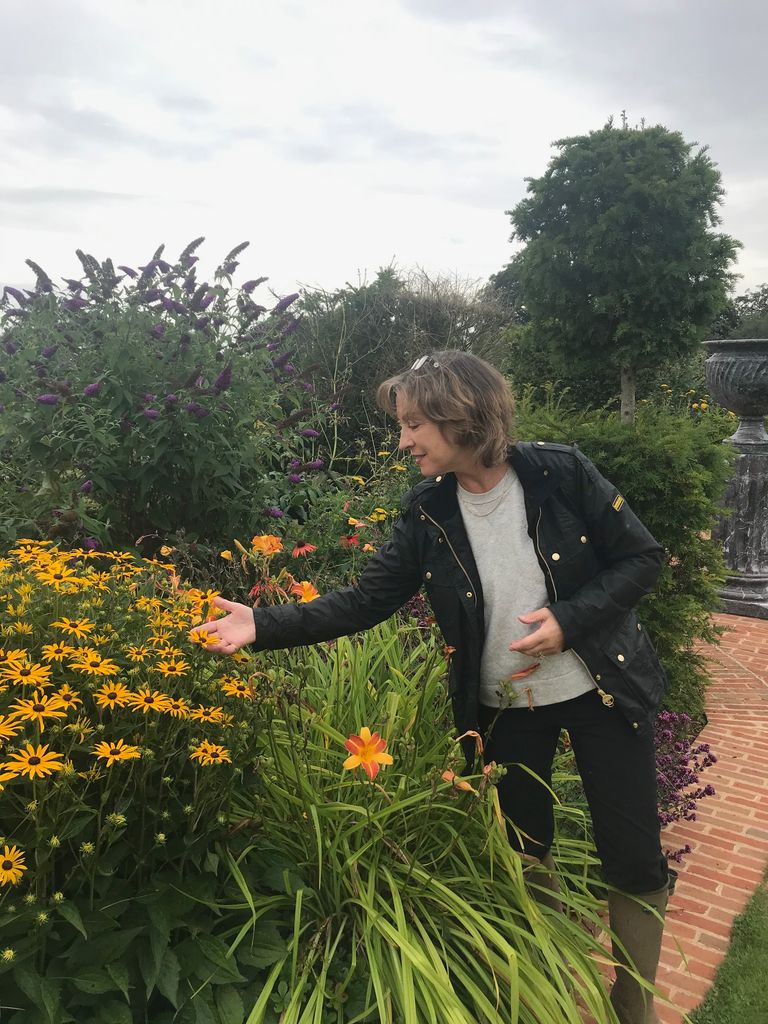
<point x="340" y="137"/>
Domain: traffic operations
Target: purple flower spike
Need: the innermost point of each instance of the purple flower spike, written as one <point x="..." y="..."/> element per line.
<point x="309" y="432"/>
<point x="205" y="302"/>
<point x="15" y="294"/>
<point x="158" y="331"/>
<point x="295" y="478"/>
<point x="151" y="414"/>
<point x="49" y="351"/>
<point x="86" y="486"/>
<point x="334" y="406"/>
<point x="171" y="399"/>
<point x="152" y="295"/>
<point x="274" y="512"/>
<point x="197" y="410"/>
<point x="48" y="399"/>
<point x="250" y="285"/>
<point x="294" y="463"/>
<point x="202" y="321"/>
<point x="224" y="381"/>
<point x="148" y="397"/>
<point x="73" y="305"/>
<point x="91" y="543"/>
<point x="284" y="303"/>
<point x="314" y="464"/>
<point x="128" y="270"/>
<point x="92" y="389"/>
<point x="11" y="348"/>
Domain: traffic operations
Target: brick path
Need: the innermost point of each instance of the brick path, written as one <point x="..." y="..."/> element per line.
<point x="729" y="839"/>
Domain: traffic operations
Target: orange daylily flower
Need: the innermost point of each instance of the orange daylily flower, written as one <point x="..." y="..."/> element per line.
<point x="267" y="544"/>
<point x="305" y="592"/>
<point x="457" y="782"/>
<point x="367" y="751"/>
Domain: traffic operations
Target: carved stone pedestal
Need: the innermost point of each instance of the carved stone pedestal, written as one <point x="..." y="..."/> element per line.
<point x="737" y="376"/>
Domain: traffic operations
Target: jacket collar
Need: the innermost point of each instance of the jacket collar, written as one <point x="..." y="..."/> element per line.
<point x="539" y="478"/>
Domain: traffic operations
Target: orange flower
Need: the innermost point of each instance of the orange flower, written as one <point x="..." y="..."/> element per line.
<point x="302" y="548"/>
<point x="305" y="592"/>
<point x="267" y="544"/>
<point x="456" y="782"/>
<point x="352" y="541"/>
<point x="367" y="750"/>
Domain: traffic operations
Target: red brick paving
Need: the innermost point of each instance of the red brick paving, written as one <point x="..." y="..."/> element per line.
<point x="729" y="839"/>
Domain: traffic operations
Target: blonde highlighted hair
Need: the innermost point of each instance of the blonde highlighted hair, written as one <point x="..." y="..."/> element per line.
<point x="466" y="397"/>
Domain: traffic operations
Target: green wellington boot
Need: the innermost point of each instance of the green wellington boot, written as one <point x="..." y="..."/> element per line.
<point x="639" y="930"/>
<point x="544" y="883"/>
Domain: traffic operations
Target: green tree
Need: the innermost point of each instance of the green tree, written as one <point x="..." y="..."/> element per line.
<point x="623" y="268"/>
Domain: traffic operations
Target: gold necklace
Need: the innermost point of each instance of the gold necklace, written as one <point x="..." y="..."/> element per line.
<point x="469" y="506"/>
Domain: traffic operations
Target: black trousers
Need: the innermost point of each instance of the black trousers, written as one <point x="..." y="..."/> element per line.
<point x="618" y="772"/>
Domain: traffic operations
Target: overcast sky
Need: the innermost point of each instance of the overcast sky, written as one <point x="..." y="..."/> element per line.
<point x="342" y="136"/>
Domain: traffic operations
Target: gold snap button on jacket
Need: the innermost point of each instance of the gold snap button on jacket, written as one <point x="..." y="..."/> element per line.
<point x="428" y="575"/>
<point x="422" y="518"/>
<point x="469" y="593"/>
<point x="583" y="539"/>
<point x="635" y="725"/>
<point x="555" y="556"/>
<point x="546" y="472"/>
<point x="620" y="657"/>
<point x="438" y="479"/>
<point x="598" y="677"/>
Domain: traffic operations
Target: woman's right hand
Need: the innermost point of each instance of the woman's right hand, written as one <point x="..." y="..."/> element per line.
<point x="232" y="631"/>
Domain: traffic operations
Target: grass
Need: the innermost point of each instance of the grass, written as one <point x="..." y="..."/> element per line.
<point x="739" y="994"/>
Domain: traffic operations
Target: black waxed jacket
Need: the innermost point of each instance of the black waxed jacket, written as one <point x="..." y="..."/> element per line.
<point x="597" y="558"/>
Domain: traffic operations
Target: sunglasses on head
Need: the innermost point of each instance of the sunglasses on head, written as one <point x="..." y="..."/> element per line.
<point x="422" y="360"/>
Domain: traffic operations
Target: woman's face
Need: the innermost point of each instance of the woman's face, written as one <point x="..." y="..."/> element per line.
<point x="430" y="449"/>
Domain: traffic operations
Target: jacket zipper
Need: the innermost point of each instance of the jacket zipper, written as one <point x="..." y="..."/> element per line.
<point x="607" y="698"/>
<point x="453" y="552"/>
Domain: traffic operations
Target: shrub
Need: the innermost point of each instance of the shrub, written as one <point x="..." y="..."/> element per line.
<point x="140" y="402"/>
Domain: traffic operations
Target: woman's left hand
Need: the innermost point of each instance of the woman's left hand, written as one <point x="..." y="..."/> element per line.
<point x="546" y="638"/>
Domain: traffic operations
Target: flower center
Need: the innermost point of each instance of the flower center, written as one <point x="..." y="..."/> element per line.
<point x="94" y="664"/>
<point x="26" y="672"/>
<point x="149" y="700"/>
<point x="114" y="751"/>
<point x="7" y="865"/>
<point x="34" y="761"/>
<point x="38" y="708"/>
<point x="111" y="695"/>
<point x="58" y="576"/>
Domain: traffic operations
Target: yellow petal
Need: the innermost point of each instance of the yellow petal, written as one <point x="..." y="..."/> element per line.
<point x="365" y="734"/>
<point x="353" y="761"/>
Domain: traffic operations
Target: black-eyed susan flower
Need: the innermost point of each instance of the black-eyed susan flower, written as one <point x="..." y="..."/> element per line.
<point x="305" y="592"/>
<point x="367" y="751"/>
<point x="210" y="753"/>
<point x="237" y="688"/>
<point x="207" y="714"/>
<point x="60" y="577"/>
<point x="172" y="667"/>
<point x="28" y="674"/>
<point x="137" y="653"/>
<point x="74" y="627"/>
<point x="202" y="638"/>
<point x="12" y="656"/>
<point x="36" y="762"/>
<point x="149" y="700"/>
<point x="69" y="698"/>
<point x="113" y="751"/>
<point x="9" y="727"/>
<point x="12" y="866"/>
<point x="93" y="664"/>
<point x="113" y="695"/>
<point x="38" y="708"/>
<point x="177" y="707"/>
<point x="58" y="651"/>
<point x="21" y="628"/>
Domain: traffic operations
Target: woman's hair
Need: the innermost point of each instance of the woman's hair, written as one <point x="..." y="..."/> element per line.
<point x="465" y="396"/>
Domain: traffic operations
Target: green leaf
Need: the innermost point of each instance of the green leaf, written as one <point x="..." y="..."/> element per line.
<point x="267" y="946"/>
<point x="50" y="997"/>
<point x="168" y="978"/>
<point x="203" y="1012"/>
<point x="94" y="981"/>
<point x="230" y="1005"/>
<point x="118" y="972"/>
<point x="215" y="951"/>
<point x="70" y="913"/>
<point x="151" y="958"/>
<point x="109" y="947"/>
<point x="28" y="981"/>
<point x="113" y="1012"/>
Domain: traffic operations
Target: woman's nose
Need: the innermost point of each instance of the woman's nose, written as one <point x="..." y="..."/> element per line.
<point x="405" y="441"/>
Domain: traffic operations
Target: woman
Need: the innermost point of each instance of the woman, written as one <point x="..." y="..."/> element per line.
<point x="533" y="564"/>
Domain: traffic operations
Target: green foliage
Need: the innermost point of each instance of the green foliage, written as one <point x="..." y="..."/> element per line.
<point x="622" y="269"/>
<point x="672" y="468"/>
<point x="138" y="403"/>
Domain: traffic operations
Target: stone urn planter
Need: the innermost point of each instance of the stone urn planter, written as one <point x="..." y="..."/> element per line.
<point x="737" y="377"/>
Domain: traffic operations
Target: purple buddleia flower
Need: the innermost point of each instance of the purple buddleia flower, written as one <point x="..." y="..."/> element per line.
<point x="47" y="399"/>
<point x="313" y="465"/>
<point x="173" y="305"/>
<point x="189" y="283"/>
<point x="290" y="328"/>
<point x="92" y="389"/>
<point x="294" y="463"/>
<point x="150" y="268"/>
<point x="151" y="414"/>
<point x="284" y="303"/>
<point x="148" y="396"/>
<point x="41" y="371"/>
<point x="15" y="294"/>
<point x="230" y="268"/>
<point x="334" y="406"/>
<point x="86" y="486"/>
<point x="49" y="351"/>
<point x="74" y="286"/>
<point x="127" y="270"/>
<point x="11" y="348"/>
<point x="171" y="399"/>
<point x="205" y="302"/>
<point x="74" y="304"/>
<point x="197" y="410"/>
<point x="289" y="369"/>
<point x="295" y="478"/>
<point x="126" y="425"/>
<point x="152" y="295"/>
<point x="310" y="432"/>
<point x="274" y="512"/>
<point x="250" y="285"/>
<point x="224" y="381"/>
<point x="162" y="265"/>
<point x="201" y="322"/>
<point x="16" y="314"/>
<point x="91" y="543"/>
<point x="158" y="331"/>
<point x="280" y="362"/>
